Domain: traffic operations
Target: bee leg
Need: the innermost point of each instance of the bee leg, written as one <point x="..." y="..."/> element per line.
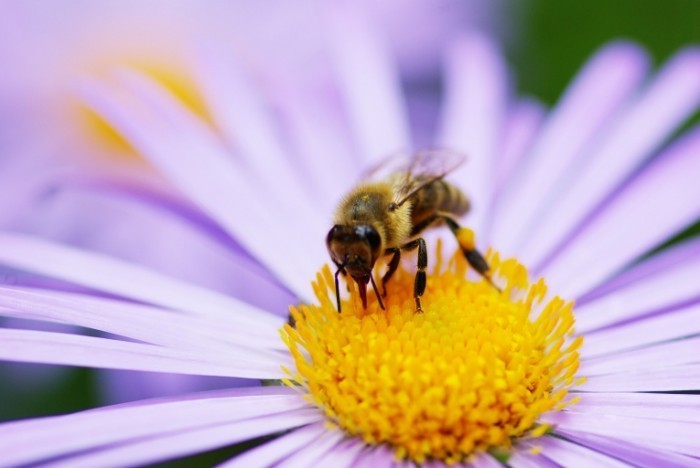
<point x="376" y="293"/>
<point x="419" y="285"/>
<point x="337" y="289"/>
<point x="465" y="239"/>
<point x="393" y="265"/>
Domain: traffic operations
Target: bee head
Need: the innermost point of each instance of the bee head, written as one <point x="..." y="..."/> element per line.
<point x="355" y="248"/>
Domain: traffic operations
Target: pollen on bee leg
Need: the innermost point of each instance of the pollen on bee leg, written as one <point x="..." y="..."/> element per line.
<point x="466" y="238"/>
<point x="472" y="373"/>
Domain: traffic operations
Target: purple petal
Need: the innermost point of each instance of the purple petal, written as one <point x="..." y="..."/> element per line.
<point x="249" y="126"/>
<point x="29" y="441"/>
<point x="669" y="326"/>
<point x="272" y="452"/>
<point x="674" y="353"/>
<point x="344" y="454"/>
<point x="115" y="276"/>
<point x="189" y="154"/>
<point x="130" y="183"/>
<point x="565" y="453"/>
<point x="473" y="117"/>
<point x="630" y="452"/>
<point x="376" y="456"/>
<point x="672" y="379"/>
<point x="324" y="153"/>
<point x="622" y="230"/>
<point x="88" y="351"/>
<point x="484" y="460"/>
<point x="633" y="137"/>
<point x="659" y="263"/>
<point x="676" y="436"/>
<point x="522" y="125"/>
<point x="653" y="286"/>
<point x="168" y="446"/>
<point x="213" y="258"/>
<point x="669" y="407"/>
<point x="311" y="453"/>
<point x="522" y="458"/>
<point x="135" y="321"/>
<point x="369" y="83"/>
<point x="590" y="103"/>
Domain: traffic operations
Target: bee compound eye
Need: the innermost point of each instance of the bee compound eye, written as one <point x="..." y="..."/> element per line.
<point x="332" y="234"/>
<point x="371" y="236"/>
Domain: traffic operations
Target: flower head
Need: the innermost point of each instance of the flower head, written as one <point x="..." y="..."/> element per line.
<point x="473" y="372"/>
<point x="385" y="378"/>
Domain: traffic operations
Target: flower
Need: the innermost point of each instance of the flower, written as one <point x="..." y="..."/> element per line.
<point x="585" y="172"/>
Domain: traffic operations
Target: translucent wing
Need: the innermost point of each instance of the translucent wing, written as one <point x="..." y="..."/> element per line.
<point x="387" y="167"/>
<point x="424" y="168"/>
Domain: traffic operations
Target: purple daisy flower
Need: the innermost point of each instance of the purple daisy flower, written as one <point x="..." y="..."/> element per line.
<point x="578" y="195"/>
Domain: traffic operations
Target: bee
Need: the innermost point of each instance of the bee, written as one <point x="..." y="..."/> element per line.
<point x="385" y="217"/>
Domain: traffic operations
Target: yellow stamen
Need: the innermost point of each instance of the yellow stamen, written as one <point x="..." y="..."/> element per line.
<point x="473" y="372"/>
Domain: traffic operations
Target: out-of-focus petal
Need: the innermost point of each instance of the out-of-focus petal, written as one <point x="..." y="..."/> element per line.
<point x="135" y="229"/>
<point x="638" y="218"/>
<point x="88" y="351"/>
<point x="376" y="456"/>
<point x="473" y="118"/>
<point x="634" y="135"/>
<point x="311" y="453"/>
<point x="344" y="454"/>
<point x="33" y="440"/>
<point x="249" y="126"/>
<point x="135" y="321"/>
<point x="328" y="155"/>
<point x="189" y="153"/>
<point x="125" y="279"/>
<point x="171" y="445"/>
<point x="369" y="83"/>
<point x="590" y="103"/>
<point x="272" y="452"/>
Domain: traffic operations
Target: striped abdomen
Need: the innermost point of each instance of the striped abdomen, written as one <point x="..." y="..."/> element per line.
<point x="438" y="196"/>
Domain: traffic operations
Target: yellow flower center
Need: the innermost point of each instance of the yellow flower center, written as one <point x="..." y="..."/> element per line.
<point x="471" y="373"/>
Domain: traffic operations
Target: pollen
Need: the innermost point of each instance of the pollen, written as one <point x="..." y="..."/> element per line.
<point x="473" y="373"/>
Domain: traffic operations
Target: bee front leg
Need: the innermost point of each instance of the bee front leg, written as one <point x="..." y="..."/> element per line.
<point x="422" y="264"/>
<point x="393" y="265"/>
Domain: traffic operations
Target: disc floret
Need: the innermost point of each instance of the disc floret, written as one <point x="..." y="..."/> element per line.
<point x="472" y="373"/>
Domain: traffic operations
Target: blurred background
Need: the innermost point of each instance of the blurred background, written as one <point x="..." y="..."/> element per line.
<point x="46" y="45"/>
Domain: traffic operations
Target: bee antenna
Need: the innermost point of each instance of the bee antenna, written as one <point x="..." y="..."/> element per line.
<point x="374" y="286"/>
<point x="337" y="289"/>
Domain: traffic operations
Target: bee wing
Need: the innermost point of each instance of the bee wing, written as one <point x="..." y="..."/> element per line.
<point x="387" y="167"/>
<point x="424" y="168"/>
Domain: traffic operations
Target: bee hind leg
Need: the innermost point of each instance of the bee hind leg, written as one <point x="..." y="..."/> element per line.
<point x="422" y="264"/>
<point x="465" y="239"/>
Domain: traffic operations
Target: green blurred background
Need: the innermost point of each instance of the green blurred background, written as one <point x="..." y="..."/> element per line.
<point x="555" y="37"/>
